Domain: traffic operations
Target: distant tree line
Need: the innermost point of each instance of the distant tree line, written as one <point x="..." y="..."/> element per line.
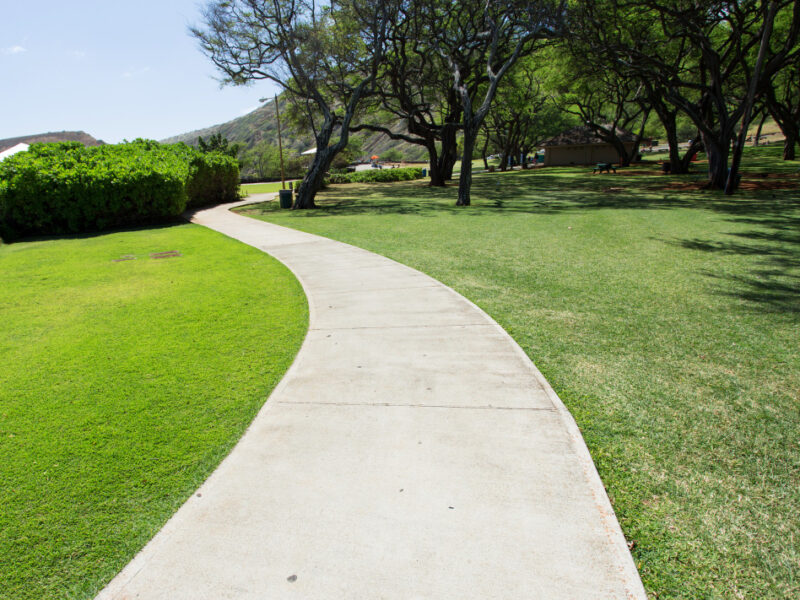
<point x="500" y="76"/>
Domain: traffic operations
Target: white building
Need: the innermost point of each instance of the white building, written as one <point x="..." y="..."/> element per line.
<point x="13" y="150"/>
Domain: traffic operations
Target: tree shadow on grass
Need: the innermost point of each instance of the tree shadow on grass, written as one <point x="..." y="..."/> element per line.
<point x="773" y="244"/>
<point x="496" y="194"/>
<point x="177" y="221"/>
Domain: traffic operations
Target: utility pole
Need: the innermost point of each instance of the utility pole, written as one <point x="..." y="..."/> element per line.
<point x="280" y="142"/>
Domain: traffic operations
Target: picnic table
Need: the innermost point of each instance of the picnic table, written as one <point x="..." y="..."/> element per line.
<point x="604" y="166"/>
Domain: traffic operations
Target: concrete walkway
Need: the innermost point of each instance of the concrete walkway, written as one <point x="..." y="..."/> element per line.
<point x="411" y="451"/>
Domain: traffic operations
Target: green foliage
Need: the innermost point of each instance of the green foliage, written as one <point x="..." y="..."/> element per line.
<point x="377" y="175"/>
<point x="214" y="178"/>
<point x="263" y="163"/>
<point x="392" y="155"/>
<point x="217" y="143"/>
<point x="352" y="151"/>
<point x="69" y="188"/>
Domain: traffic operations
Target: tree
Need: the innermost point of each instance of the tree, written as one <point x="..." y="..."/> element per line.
<point x="479" y="43"/>
<point x="354" y="149"/>
<point x="392" y="155"/>
<point x="417" y="91"/>
<point x="781" y="95"/>
<point x="523" y="114"/>
<point x="325" y="56"/>
<point x="217" y="143"/>
<point x="717" y="55"/>
<point x="610" y="104"/>
<point x="264" y="160"/>
<point x="616" y="31"/>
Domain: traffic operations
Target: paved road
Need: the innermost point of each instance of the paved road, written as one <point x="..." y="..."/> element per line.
<point x="411" y="451"/>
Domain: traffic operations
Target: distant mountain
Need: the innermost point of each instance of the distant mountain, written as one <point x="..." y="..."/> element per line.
<point x="261" y="124"/>
<point x="53" y="136"/>
<point x="249" y="130"/>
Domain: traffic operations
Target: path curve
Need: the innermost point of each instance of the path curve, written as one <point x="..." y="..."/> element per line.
<point x="411" y="451"/>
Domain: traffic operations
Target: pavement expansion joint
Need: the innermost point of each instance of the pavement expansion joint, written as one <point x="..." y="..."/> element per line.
<point x="401" y="405"/>
<point x="416" y="326"/>
<point x="385" y="289"/>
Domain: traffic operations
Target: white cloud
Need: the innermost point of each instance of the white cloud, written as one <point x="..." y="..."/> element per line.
<point x="13" y="50"/>
<point x="248" y="110"/>
<point x="79" y="54"/>
<point x="135" y="72"/>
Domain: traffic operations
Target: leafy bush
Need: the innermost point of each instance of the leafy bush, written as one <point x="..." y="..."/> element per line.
<point x="68" y="188"/>
<point x="214" y="178"/>
<point x="377" y="175"/>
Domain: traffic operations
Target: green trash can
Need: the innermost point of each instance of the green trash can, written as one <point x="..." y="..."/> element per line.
<point x="285" y="197"/>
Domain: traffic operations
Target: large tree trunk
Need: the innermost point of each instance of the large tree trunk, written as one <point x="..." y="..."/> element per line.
<point x="434" y="165"/>
<point x="449" y="154"/>
<point x="465" y="181"/>
<point x="733" y="175"/>
<point x="685" y="162"/>
<point x="788" y="119"/>
<point x="677" y="165"/>
<point x="315" y="177"/>
<point x="717" y="152"/>
<point x="789" y="145"/>
<point x="311" y="184"/>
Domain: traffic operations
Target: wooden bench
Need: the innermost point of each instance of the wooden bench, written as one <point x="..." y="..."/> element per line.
<point x="607" y="167"/>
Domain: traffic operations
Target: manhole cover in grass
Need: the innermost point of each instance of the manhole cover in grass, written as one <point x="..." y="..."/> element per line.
<point x="169" y="254"/>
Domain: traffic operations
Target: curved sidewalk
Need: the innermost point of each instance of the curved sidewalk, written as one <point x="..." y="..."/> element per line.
<point x="411" y="451"/>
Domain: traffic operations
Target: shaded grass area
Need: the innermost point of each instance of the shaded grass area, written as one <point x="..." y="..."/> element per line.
<point x="667" y="320"/>
<point x="122" y="386"/>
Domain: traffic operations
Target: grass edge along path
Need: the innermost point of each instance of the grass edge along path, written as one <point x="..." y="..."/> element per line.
<point x="127" y="376"/>
<point x="668" y="321"/>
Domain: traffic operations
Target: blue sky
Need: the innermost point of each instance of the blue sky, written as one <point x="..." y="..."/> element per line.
<point x="116" y="70"/>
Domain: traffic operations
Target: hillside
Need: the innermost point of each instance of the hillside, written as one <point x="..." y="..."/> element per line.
<point x="52" y="136"/>
<point x="260" y="124"/>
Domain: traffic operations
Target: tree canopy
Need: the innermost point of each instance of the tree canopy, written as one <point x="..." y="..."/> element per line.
<point x="439" y="68"/>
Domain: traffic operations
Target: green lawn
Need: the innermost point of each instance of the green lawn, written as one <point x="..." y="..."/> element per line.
<point x="122" y="386"/>
<point x="262" y="188"/>
<point x="668" y="320"/>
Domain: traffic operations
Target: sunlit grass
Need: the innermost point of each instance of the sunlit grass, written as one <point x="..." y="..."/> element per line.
<point x="248" y="189"/>
<point x="122" y="385"/>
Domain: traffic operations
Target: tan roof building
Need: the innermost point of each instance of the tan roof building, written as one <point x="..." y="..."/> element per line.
<point x="581" y="146"/>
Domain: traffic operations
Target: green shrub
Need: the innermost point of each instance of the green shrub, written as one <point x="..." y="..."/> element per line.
<point x="377" y="175"/>
<point x="68" y="188"/>
<point x="214" y="178"/>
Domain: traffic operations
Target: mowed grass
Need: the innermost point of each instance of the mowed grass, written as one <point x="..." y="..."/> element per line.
<point x="122" y="386"/>
<point x="668" y="320"/>
<point x="248" y="189"/>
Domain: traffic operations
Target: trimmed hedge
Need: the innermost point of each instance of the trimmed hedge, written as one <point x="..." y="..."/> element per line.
<point x="377" y="175"/>
<point x="65" y="188"/>
<point x="214" y="179"/>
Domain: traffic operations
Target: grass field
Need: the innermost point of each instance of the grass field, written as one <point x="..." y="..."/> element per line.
<point x="668" y="320"/>
<point x="122" y="385"/>
<point x="261" y="188"/>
